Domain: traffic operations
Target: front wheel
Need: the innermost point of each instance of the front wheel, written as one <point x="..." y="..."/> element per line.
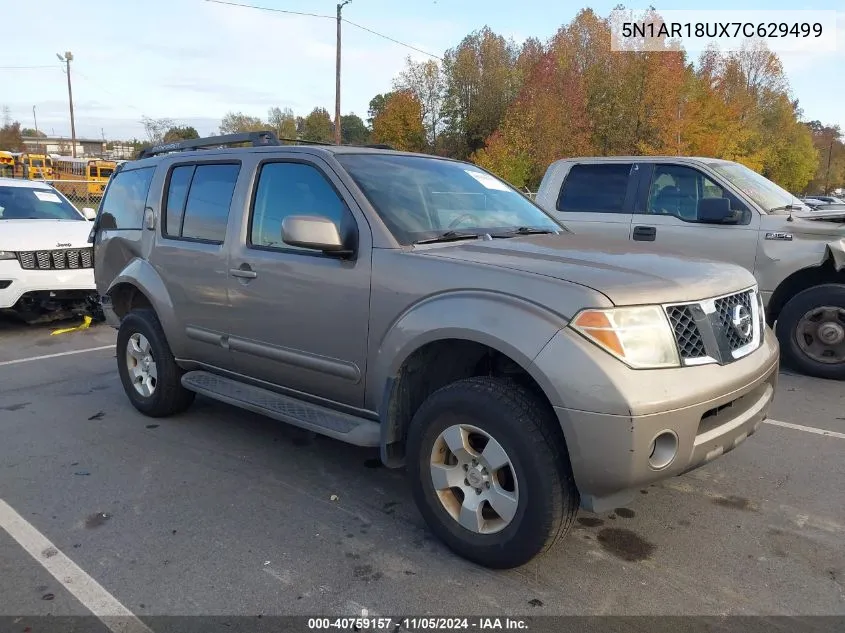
<point x="811" y="331"/>
<point x="490" y="473"/>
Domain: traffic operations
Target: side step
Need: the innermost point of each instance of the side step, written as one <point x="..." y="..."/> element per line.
<point x="340" y="426"/>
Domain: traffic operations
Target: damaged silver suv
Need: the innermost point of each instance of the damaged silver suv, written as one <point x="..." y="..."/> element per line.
<point x="423" y="306"/>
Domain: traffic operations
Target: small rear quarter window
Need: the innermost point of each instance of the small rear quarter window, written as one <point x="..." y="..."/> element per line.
<point x="123" y="205"/>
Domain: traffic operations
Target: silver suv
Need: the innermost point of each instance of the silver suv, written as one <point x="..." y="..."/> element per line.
<point x="423" y="306"/>
<point x="721" y="210"/>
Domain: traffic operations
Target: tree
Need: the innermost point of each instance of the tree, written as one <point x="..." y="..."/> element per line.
<point x="10" y="136"/>
<point x="353" y="131"/>
<point x="425" y="81"/>
<point x="238" y="122"/>
<point x="317" y="126"/>
<point x="376" y="106"/>
<point x="282" y="122"/>
<point x="31" y="132"/>
<point x="156" y="128"/>
<point x="830" y="172"/>
<point x="399" y="123"/>
<point x="180" y="133"/>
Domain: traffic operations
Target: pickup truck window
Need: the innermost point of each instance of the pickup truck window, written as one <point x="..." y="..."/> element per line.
<point x="676" y="189"/>
<point x="291" y="188"/>
<point x="595" y="188"/>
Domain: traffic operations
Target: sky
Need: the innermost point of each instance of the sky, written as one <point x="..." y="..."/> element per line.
<point x="194" y="60"/>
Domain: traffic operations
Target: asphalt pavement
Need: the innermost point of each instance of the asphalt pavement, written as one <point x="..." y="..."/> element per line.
<point x="222" y="512"/>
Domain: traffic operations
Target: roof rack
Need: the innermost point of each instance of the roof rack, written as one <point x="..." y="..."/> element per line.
<point x="255" y="138"/>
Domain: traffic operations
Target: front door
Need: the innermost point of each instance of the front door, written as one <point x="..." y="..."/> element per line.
<point x="666" y="214"/>
<point x="300" y="317"/>
<point x="596" y="199"/>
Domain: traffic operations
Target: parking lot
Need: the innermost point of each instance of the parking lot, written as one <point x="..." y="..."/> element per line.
<point x="219" y="511"/>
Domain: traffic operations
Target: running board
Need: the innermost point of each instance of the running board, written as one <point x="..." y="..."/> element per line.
<point x="313" y="417"/>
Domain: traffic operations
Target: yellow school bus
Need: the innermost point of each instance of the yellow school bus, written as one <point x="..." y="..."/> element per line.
<point x="33" y="166"/>
<point x="7" y="164"/>
<point x="82" y="177"/>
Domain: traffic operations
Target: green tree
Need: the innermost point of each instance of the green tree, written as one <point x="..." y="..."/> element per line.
<point x="425" y="81"/>
<point x="317" y="126"/>
<point x="376" y="106"/>
<point x="10" y="136"/>
<point x="353" y="131"/>
<point x="180" y="133"/>
<point x="238" y="122"/>
<point x="31" y="132"/>
<point x="282" y="122"/>
<point x="399" y="123"/>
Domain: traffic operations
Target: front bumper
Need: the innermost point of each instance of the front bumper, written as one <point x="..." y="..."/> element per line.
<point x="15" y="282"/>
<point x="706" y="411"/>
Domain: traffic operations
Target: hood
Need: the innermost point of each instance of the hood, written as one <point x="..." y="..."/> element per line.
<point x="626" y="272"/>
<point x="32" y="235"/>
<point x="823" y="214"/>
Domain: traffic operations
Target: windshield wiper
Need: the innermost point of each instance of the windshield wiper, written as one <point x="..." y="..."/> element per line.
<point x="448" y="236"/>
<point x="786" y="207"/>
<point x="524" y="230"/>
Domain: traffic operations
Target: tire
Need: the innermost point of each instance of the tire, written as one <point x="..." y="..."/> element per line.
<point x="167" y="396"/>
<point x="790" y="319"/>
<point x="547" y="498"/>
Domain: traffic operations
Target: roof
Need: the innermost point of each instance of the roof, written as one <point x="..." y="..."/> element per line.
<point x="22" y="182"/>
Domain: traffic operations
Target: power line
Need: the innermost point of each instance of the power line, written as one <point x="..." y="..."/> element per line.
<point x="27" y="67"/>
<point x="250" y="6"/>
<point x="387" y="37"/>
<point x="330" y="17"/>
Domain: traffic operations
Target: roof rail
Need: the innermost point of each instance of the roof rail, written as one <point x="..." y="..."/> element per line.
<point x="380" y="146"/>
<point x="256" y="138"/>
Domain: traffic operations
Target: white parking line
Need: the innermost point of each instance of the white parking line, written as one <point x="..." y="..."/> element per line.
<point x="75" y="351"/>
<point x="88" y="591"/>
<point x="806" y="429"/>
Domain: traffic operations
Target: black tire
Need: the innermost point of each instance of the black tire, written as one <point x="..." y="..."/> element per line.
<point x="788" y="320"/>
<point x="169" y="396"/>
<point x="529" y="433"/>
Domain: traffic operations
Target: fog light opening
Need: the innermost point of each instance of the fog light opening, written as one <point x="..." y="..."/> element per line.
<point x="664" y="447"/>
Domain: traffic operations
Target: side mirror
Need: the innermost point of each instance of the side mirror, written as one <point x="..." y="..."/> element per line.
<point x="313" y="232"/>
<point x="715" y="211"/>
<point x="89" y="213"/>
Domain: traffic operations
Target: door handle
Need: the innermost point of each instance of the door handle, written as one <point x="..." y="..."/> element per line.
<point x="645" y="233"/>
<point x="244" y="272"/>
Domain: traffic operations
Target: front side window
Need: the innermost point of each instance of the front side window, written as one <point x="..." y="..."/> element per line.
<point x="286" y="189"/>
<point x="675" y="190"/>
<point x="420" y="198"/>
<point x="595" y="188"/>
<point x="126" y="198"/>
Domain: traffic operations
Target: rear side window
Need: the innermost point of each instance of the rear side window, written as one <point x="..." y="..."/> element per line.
<point x="123" y="206"/>
<point x="595" y="189"/>
<point x="198" y="201"/>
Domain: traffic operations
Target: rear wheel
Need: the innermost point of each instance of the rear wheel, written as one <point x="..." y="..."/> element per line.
<point x="811" y="331"/>
<point x="150" y="376"/>
<point x="490" y="473"/>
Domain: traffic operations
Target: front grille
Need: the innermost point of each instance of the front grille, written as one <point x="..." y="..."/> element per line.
<point x="57" y="259"/>
<point x="725" y="309"/>
<point x="687" y="334"/>
<point x="721" y="330"/>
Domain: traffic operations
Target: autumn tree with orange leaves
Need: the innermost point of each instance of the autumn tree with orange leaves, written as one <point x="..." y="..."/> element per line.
<point x="400" y="122"/>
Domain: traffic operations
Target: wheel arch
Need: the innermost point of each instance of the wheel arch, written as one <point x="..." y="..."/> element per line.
<point x="824" y="273"/>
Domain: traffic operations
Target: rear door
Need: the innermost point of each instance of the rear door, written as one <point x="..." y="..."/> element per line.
<point x="666" y="213"/>
<point x="191" y="258"/>
<point x="597" y="199"/>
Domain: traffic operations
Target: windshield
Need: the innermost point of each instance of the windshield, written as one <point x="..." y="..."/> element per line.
<point x="760" y="189"/>
<point x="420" y="198"/>
<point x="105" y="172"/>
<point x="25" y="203"/>
<point x="37" y="162"/>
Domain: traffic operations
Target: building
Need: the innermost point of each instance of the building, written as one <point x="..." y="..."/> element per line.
<point x="62" y="145"/>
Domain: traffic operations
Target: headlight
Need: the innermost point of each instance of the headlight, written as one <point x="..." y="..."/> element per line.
<point x="762" y="313"/>
<point x="641" y="337"/>
<point x="7" y="255"/>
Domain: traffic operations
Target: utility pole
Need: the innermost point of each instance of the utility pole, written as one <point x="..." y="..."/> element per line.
<point x="67" y="58"/>
<point x="337" y="136"/>
<point x="827" y="173"/>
